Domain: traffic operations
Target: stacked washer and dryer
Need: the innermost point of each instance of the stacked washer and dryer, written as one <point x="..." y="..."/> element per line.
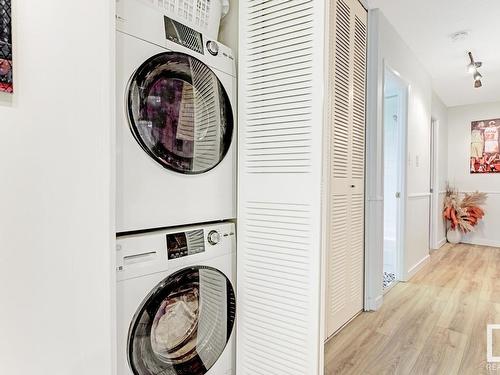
<point x="176" y="166"/>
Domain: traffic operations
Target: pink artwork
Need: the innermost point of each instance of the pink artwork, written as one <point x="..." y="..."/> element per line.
<point x="485" y="146"/>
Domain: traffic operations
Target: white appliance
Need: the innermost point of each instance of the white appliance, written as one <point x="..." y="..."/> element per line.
<point x="176" y="123"/>
<point x="176" y="301"/>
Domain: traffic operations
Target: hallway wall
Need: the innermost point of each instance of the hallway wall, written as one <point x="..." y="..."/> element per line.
<point x="459" y="139"/>
<point x="387" y="47"/>
<point x="56" y="231"/>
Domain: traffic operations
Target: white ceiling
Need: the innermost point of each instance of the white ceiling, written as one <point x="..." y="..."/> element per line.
<point x="426" y="26"/>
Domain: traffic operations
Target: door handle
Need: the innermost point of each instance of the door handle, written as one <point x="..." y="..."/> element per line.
<point x="398" y="195"/>
<point x="353" y="186"/>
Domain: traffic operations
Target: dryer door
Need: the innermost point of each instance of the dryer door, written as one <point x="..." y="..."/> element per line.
<point x="183" y="325"/>
<point x="180" y="113"/>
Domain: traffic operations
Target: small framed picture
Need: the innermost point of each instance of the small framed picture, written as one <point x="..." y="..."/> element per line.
<point x="485" y="146"/>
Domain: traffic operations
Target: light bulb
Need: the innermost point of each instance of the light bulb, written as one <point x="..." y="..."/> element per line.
<point x="477" y="76"/>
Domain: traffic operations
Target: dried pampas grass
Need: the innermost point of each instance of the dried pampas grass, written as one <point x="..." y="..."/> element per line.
<point x="463" y="213"/>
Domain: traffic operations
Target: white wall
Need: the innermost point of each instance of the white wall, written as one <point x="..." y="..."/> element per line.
<point x="440" y="114"/>
<point x="388" y="47"/>
<point x="56" y="256"/>
<point x="460" y="119"/>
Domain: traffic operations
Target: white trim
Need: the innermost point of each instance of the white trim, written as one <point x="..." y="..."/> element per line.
<point x="374" y="193"/>
<point x="374" y="227"/>
<point x="373" y="304"/>
<point x="404" y="98"/>
<point x="417" y="267"/>
<point x="419" y="195"/>
<point x="482" y="242"/>
<point x="441" y="242"/>
<point x="325" y="193"/>
<point x="434" y="182"/>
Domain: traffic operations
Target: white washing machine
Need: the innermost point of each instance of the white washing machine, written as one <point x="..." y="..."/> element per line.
<point x="176" y="122"/>
<point x="176" y="301"/>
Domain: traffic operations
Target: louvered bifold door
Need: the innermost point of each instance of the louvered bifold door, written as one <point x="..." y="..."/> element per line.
<point x="346" y="114"/>
<point x="281" y="86"/>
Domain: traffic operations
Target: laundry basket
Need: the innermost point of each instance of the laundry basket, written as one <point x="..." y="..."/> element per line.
<point x="201" y="15"/>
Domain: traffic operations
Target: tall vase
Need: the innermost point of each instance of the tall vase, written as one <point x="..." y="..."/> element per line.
<point x="454" y="236"/>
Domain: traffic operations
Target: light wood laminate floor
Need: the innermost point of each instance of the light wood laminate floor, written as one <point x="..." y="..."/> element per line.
<point x="433" y="324"/>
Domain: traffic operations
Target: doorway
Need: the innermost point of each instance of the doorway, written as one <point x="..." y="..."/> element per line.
<point x="395" y="99"/>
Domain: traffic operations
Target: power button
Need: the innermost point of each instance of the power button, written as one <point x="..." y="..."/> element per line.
<point x="213" y="237"/>
<point x="213" y="47"/>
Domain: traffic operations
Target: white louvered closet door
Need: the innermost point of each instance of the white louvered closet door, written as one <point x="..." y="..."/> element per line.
<point x="346" y="113"/>
<point x="280" y="173"/>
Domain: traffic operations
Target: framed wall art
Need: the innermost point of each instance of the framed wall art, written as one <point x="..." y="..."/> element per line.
<point x="485" y="146"/>
<point x="6" y="76"/>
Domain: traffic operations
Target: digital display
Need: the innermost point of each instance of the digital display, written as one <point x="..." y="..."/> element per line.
<point x="185" y="243"/>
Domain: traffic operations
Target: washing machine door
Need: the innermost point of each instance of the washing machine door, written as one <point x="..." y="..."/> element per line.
<point x="183" y="325"/>
<point x="180" y="113"/>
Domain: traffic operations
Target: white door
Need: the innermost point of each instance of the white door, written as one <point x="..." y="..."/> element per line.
<point x="281" y="85"/>
<point x="345" y="254"/>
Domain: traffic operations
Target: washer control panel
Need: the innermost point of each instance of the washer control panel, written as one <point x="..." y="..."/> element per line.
<point x="185" y="243"/>
<point x="192" y="242"/>
<point x="142" y="254"/>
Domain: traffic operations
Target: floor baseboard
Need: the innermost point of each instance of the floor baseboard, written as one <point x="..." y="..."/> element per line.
<point x="482" y="242"/>
<point x="442" y="242"/>
<point x="417" y="267"/>
<point x="373" y="304"/>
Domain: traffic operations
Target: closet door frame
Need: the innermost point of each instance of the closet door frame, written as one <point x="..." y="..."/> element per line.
<point x="374" y="181"/>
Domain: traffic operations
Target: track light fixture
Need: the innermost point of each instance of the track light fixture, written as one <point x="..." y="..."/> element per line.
<point x="473" y="69"/>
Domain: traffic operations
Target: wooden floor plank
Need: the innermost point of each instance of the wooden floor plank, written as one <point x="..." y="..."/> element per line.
<point x="433" y="324"/>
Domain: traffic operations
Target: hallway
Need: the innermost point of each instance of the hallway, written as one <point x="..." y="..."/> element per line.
<point x="433" y="324"/>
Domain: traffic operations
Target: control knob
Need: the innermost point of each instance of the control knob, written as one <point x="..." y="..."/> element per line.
<point x="213" y="237"/>
<point x="213" y="47"/>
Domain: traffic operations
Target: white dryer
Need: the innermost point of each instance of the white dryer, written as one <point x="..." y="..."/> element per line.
<point x="176" y="301"/>
<point x="176" y="122"/>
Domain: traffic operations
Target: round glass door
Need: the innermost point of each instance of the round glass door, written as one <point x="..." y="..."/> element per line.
<point x="183" y="325"/>
<point x="180" y="113"/>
